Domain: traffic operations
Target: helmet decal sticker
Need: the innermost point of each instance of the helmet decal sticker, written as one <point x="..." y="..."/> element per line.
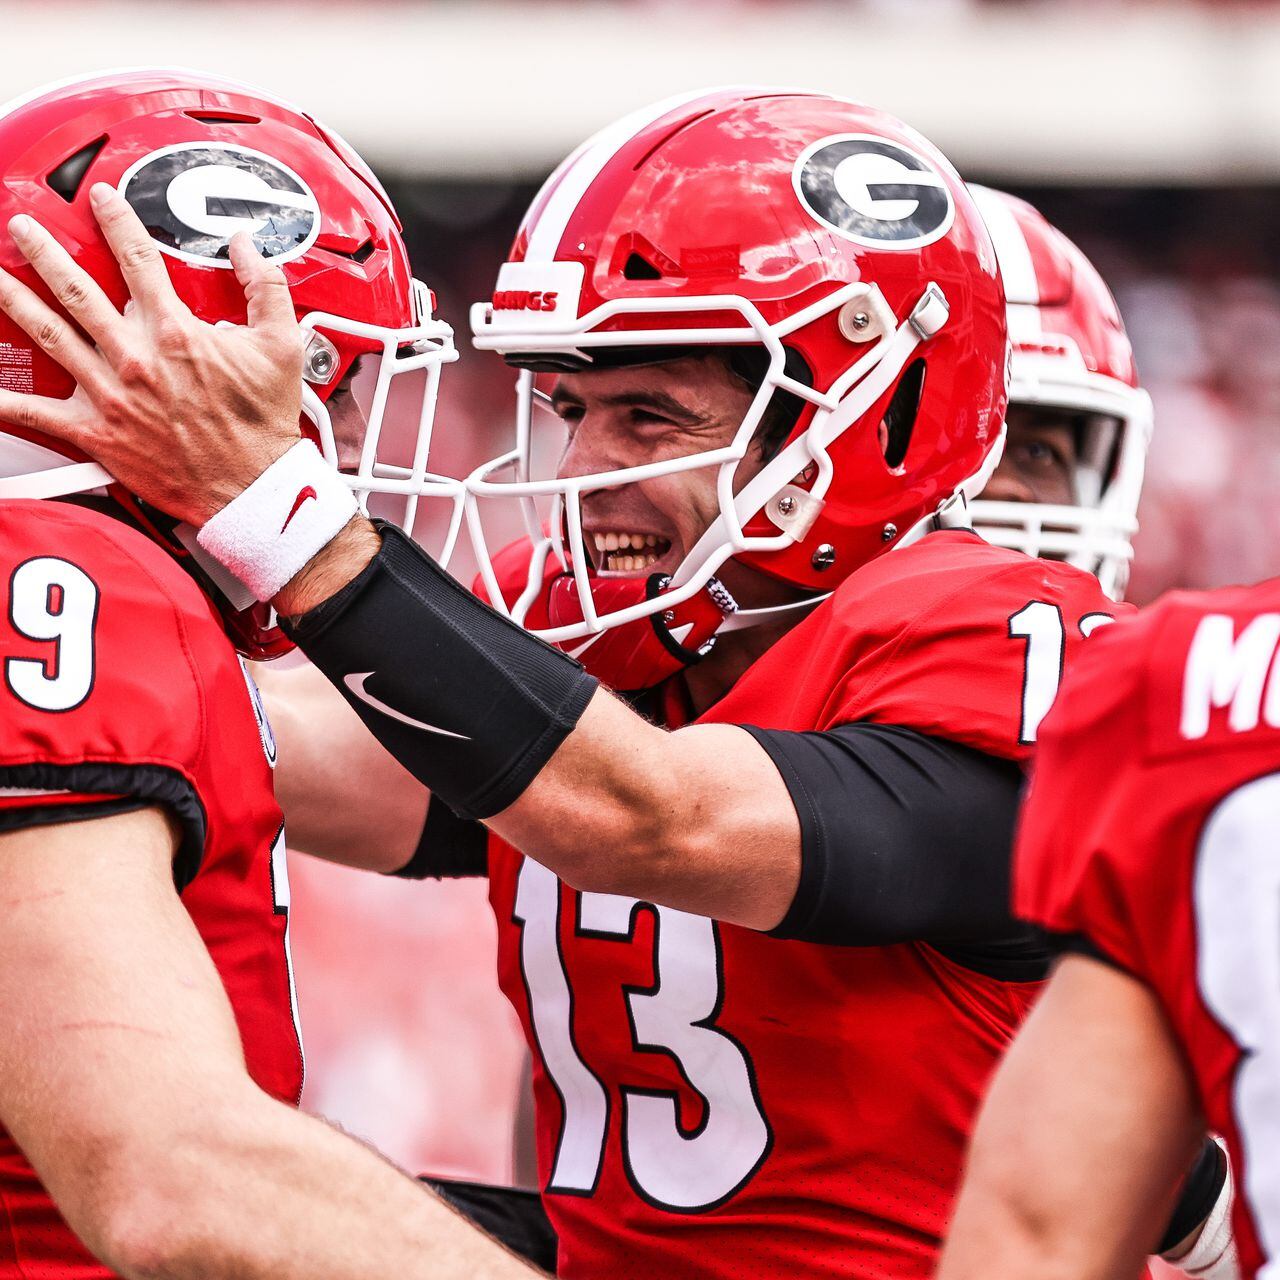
<point x="193" y="197"/>
<point x="874" y="192"/>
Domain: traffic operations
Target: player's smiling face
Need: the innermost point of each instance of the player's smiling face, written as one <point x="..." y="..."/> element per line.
<point x="626" y="417"/>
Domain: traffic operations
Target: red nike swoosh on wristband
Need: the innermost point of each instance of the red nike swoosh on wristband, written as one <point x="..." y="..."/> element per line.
<point x="355" y="681"/>
<point x="304" y="495"/>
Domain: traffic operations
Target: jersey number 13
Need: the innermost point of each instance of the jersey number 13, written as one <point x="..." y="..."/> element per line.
<point x="671" y="1167"/>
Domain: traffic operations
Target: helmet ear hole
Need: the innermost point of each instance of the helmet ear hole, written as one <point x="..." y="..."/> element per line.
<point x="900" y="417"/>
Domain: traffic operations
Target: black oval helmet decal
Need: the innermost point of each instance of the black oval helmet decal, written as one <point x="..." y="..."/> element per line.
<point x="193" y="197"/>
<point x="877" y="193"/>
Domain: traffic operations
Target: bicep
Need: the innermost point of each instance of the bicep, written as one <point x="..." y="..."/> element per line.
<point x="1087" y="1130"/>
<point x="699" y="819"/>
<point x="344" y="797"/>
<point x="112" y="1013"/>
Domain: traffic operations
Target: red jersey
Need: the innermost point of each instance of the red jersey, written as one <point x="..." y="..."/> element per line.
<point x="718" y="1103"/>
<point x="119" y="682"/>
<point x="1150" y="830"/>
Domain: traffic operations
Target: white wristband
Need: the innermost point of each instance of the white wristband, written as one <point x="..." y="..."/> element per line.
<point x="296" y="507"/>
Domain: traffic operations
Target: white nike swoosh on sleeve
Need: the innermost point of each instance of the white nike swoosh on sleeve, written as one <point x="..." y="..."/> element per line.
<point x="355" y="681"/>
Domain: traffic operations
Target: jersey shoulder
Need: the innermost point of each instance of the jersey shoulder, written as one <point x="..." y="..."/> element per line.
<point x="951" y="574"/>
<point x="1162" y="717"/>
<point x="109" y="649"/>
<point x="963" y="640"/>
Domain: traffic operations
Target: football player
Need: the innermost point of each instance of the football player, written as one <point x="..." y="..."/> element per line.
<point x="1163" y="1014"/>
<point x="1079" y="425"/>
<point x="150" y="1062"/>
<point x="773" y="331"/>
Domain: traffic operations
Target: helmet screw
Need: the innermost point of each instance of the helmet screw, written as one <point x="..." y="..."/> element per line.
<point x="888" y="533"/>
<point x="668" y="616"/>
<point x="859" y="319"/>
<point x="786" y="505"/>
<point x="824" y="557"/>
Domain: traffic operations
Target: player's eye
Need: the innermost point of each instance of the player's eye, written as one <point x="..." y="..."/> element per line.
<point x="1041" y="455"/>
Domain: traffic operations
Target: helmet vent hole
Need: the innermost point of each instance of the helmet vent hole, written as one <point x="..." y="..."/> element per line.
<point x="222" y="117"/>
<point x="66" y="179"/>
<point x="900" y="417"/>
<point x="638" y="268"/>
<point x="358" y="256"/>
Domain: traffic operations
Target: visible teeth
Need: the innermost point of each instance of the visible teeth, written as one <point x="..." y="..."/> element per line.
<point x="645" y="549"/>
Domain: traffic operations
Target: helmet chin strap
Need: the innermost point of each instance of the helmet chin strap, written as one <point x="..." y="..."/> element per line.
<point x="745" y="619"/>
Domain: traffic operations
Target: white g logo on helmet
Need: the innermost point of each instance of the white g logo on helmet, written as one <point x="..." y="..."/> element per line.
<point x="874" y="192"/>
<point x="194" y="196"/>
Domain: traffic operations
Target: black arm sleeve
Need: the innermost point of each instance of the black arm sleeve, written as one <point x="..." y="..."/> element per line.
<point x="1200" y="1192"/>
<point x="905" y="838"/>
<point x="472" y="705"/>
<point x="450" y="847"/>
<point x="508" y="1214"/>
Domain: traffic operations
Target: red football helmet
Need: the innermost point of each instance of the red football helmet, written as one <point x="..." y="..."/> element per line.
<point x="199" y="159"/>
<point x="1070" y="353"/>
<point x="830" y="237"/>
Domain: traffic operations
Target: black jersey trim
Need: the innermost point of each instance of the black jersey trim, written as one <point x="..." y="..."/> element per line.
<point x="143" y="783"/>
<point x="449" y="848"/>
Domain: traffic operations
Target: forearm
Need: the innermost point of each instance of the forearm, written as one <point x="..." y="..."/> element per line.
<point x="268" y="1192"/>
<point x="697" y="819"/>
<point x="1076" y="1160"/>
<point x="505" y="729"/>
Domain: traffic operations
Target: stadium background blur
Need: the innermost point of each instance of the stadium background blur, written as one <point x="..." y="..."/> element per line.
<point x="1148" y="131"/>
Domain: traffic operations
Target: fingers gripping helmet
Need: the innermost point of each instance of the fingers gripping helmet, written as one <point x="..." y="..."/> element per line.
<point x="829" y="239"/>
<point x="1069" y="353"/>
<point x="200" y="159"/>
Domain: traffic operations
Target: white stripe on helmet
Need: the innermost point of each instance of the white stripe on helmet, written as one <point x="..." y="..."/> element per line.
<point x="1022" y="289"/>
<point x="585" y="165"/>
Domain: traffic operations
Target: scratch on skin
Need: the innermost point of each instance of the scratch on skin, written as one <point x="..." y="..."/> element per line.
<point x="112" y="1026"/>
<point x="30" y="899"/>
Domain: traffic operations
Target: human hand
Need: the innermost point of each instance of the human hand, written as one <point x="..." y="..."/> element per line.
<point x="183" y="413"/>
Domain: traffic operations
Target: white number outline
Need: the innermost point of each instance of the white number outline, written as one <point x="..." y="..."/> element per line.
<point x="535" y="881"/>
<point x="530" y="889"/>
<point x="56" y="572"/>
<point x="705" y="1023"/>
<point x="281" y="902"/>
<point x="1040" y="626"/>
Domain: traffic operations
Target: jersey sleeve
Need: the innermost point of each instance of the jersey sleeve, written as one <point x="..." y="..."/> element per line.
<point x="1075" y="873"/>
<point x="969" y="647"/>
<point x="101" y="641"/>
